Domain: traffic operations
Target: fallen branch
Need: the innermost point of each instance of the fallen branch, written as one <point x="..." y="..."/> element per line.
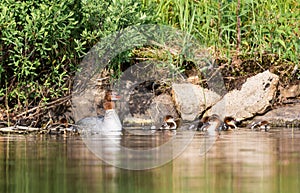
<point x="18" y="129"/>
<point x="45" y="106"/>
<point x="54" y="129"/>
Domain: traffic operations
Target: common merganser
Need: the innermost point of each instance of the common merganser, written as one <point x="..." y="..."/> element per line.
<point x="229" y="124"/>
<point x="109" y="122"/>
<point x="111" y="119"/>
<point x="209" y="123"/>
<point x="203" y="124"/>
<point x="169" y="123"/>
<point x="206" y="122"/>
<point x="260" y="125"/>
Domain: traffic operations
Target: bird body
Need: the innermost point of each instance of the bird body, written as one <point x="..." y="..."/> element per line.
<point x="260" y="125"/>
<point x="169" y="123"/>
<point x="214" y="120"/>
<point x="109" y="122"/>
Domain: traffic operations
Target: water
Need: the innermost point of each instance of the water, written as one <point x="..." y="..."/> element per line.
<point x="241" y="161"/>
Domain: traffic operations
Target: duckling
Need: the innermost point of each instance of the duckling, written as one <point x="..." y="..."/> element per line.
<point x="229" y="124"/>
<point x="219" y="124"/>
<point x="169" y="123"/>
<point x="260" y="125"/>
<point x="212" y="122"/>
<point x="203" y="124"/>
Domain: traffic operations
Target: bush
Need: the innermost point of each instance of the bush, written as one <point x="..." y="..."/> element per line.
<point x="37" y="50"/>
<point x="42" y="42"/>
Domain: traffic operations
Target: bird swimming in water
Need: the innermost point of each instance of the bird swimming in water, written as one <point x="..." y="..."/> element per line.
<point x="169" y="123"/>
<point x="203" y="124"/>
<point x="229" y="123"/>
<point x="260" y="125"/>
<point x="109" y="122"/>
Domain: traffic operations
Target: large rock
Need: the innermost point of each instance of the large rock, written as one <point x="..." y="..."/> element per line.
<point x="254" y="97"/>
<point x="285" y="116"/>
<point x="160" y="106"/>
<point x="191" y="100"/>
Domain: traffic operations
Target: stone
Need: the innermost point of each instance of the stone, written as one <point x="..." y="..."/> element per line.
<point x="284" y="116"/>
<point x="160" y="106"/>
<point x="192" y="100"/>
<point x="291" y="91"/>
<point x="253" y="98"/>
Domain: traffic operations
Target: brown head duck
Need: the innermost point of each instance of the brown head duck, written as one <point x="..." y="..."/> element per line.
<point x="169" y="123"/>
<point x="260" y="125"/>
<point x="214" y="120"/>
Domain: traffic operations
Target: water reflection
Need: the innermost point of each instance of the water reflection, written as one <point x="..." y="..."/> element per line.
<point x="139" y="149"/>
<point x="241" y="161"/>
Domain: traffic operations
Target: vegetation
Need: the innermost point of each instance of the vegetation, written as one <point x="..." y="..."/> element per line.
<point x="243" y="26"/>
<point x="246" y="36"/>
<point x="42" y="42"/>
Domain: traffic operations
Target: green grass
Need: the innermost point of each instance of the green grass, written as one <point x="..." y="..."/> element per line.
<point x="265" y="26"/>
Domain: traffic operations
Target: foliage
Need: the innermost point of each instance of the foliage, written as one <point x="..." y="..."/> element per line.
<point x="43" y="41"/>
<point x="265" y="26"/>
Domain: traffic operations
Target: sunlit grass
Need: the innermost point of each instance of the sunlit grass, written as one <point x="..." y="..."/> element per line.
<point x="265" y="26"/>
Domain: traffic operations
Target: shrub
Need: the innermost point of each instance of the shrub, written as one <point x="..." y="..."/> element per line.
<point x="42" y="42"/>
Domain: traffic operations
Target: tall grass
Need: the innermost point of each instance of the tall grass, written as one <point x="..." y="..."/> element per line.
<point x="266" y="26"/>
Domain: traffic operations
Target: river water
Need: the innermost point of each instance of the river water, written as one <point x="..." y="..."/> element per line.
<point x="240" y="161"/>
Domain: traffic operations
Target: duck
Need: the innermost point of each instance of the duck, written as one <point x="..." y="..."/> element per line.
<point x="110" y="121"/>
<point x="260" y="125"/>
<point x="203" y="124"/>
<point x="212" y="122"/>
<point x="229" y="123"/>
<point x="206" y="122"/>
<point x="169" y="123"/>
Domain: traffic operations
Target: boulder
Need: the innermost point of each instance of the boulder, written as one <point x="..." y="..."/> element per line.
<point x="191" y="100"/>
<point x="291" y="91"/>
<point x="253" y="98"/>
<point x="284" y="116"/>
<point x="160" y="106"/>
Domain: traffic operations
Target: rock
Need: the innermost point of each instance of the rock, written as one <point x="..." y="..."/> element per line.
<point x="291" y="91"/>
<point x="253" y="98"/>
<point x="160" y="106"/>
<point x="133" y="121"/>
<point x="191" y="100"/>
<point x="284" y="116"/>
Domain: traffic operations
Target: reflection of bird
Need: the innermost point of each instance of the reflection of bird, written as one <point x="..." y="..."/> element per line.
<point x="206" y="122"/>
<point x="260" y="125"/>
<point x="110" y="121"/>
<point x="169" y="123"/>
